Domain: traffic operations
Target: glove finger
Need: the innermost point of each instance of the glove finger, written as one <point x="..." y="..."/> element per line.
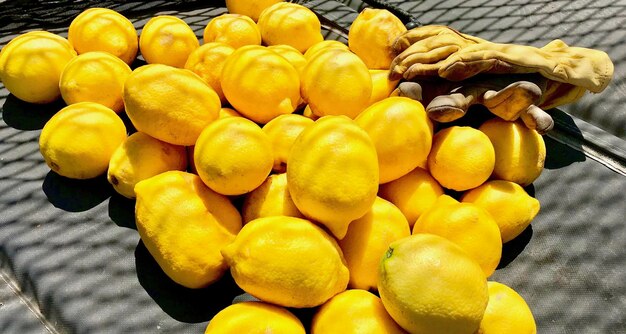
<point x="537" y="119"/>
<point x="447" y="108"/>
<point x="412" y="90"/>
<point x="415" y="35"/>
<point x="509" y="102"/>
<point x="421" y="70"/>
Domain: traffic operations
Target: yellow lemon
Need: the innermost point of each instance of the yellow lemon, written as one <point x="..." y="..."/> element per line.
<point x="255" y="318"/>
<point x="167" y="40"/>
<point x="233" y="156"/>
<point x="283" y="131"/>
<point x="251" y="8"/>
<point x="207" y="62"/>
<point x="279" y="21"/>
<point x="428" y="284"/>
<point x="332" y="173"/>
<point x="354" y="312"/>
<point x="323" y="45"/>
<point x="367" y="240"/>
<point x="170" y="104"/>
<point x="507" y="312"/>
<point x="467" y="225"/>
<point x="95" y="77"/>
<point x="372" y="35"/>
<point x="293" y="56"/>
<point x="229" y="112"/>
<point x="141" y="157"/>
<point x="79" y="140"/>
<point x="308" y="113"/>
<point x="520" y="151"/>
<point x="235" y="30"/>
<point x="413" y="193"/>
<point x="184" y="224"/>
<point x="302" y="264"/>
<point x="508" y="203"/>
<point x="336" y="82"/>
<point x="401" y="132"/>
<point x="382" y="87"/>
<point x="461" y="158"/>
<point x="31" y="65"/>
<point x="103" y="29"/>
<point x="260" y="84"/>
<point x="271" y="198"/>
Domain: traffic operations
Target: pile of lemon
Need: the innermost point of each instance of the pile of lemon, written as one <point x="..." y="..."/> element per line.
<point x="354" y="202"/>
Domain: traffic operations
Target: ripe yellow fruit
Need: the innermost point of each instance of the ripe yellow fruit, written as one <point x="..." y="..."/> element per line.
<point x="103" y="29"/>
<point x="235" y="30"/>
<point x="507" y="312"/>
<point x="430" y="285"/>
<point x="413" y="194"/>
<point x="323" y="45"/>
<point x="332" y="173"/>
<point x="184" y="224"/>
<point x="95" y="77"/>
<point x="271" y="198"/>
<point x="354" y="312"/>
<point x="229" y="112"/>
<point x="293" y="56"/>
<point x="233" y="156"/>
<point x="286" y="248"/>
<point x="467" y="225"/>
<point x="368" y="239"/>
<point x="167" y="40"/>
<point x="207" y="62"/>
<point x="279" y="21"/>
<point x="251" y="8"/>
<point x="401" y="132"/>
<point x="170" y="104"/>
<point x="308" y="113"/>
<point x="372" y="35"/>
<point x="255" y="318"/>
<point x="520" y="151"/>
<point x="141" y="157"/>
<point x="260" y="84"/>
<point x="31" y="65"/>
<point x="336" y="82"/>
<point x="508" y="203"/>
<point x="283" y="131"/>
<point x="79" y="140"/>
<point x="382" y="87"/>
<point x="461" y="158"/>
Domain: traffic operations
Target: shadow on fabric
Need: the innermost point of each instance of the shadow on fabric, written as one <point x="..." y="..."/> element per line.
<point x="75" y="195"/>
<point x="26" y="116"/>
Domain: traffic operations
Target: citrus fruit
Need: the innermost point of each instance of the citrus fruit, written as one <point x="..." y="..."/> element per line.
<point x="323" y="45"/>
<point x="283" y="131"/>
<point x="382" y="87"/>
<point x="308" y="113"/>
<point x="279" y="21"/>
<point x="507" y="312"/>
<point x="167" y="40"/>
<point x="271" y="198"/>
<point x="251" y="8"/>
<point x="302" y="264"/>
<point x="461" y="158"/>
<point x="170" y="104"/>
<point x="233" y="156"/>
<point x="103" y="29"/>
<point x="235" y="30"/>
<point x="31" y="65"/>
<point x="332" y="173"/>
<point x="95" y="77"/>
<point x="254" y="318"/>
<point x="372" y="35"/>
<point x="428" y="284"/>
<point x="293" y="56"/>
<point x="207" y="61"/>
<point x="184" y="224"/>
<point x="79" y="140"/>
<point x="229" y="112"/>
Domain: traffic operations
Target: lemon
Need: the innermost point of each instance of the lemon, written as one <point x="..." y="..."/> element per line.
<point x="255" y="318"/>
<point x="251" y="8"/>
<point x="229" y="112"/>
<point x="293" y="56"/>
<point x="311" y="52"/>
<point x="260" y="84"/>
<point x="235" y="30"/>
<point x="336" y="82"/>
<point x="507" y="312"/>
<point x="332" y="173"/>
<point x="31" y="65"/>
<point x="233" y="156"/>
<point x="430" y="285"/>
<point x="382" y="87"/>
<point x="302" y="264"/>
<point x="372" y="35"/>
<point x="271" y="198"/>
<point x="79" y="140"/>
<point x="283" y="131"/>
<point x="413" y="193"/>
<point x="508" y="203"/>
<point x="291" y="24"/>
<point x="167" y="40"/>
<point x="354" y="312"/>
<point x="95" y="77"/>
<point x="184" y="224"/>
<point x="401" y="132"/>
<point x="520" y="151"/>
<point x="367" y="240"/>
<point x="140" y="157"/>
<point x="461" y="158"/>
<point x="103" y="29"/>
<point x="170" y="104"/>
<point x="308" y="113"/>
<point x="467" y="225"/>
<point x="207" y="62"/>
